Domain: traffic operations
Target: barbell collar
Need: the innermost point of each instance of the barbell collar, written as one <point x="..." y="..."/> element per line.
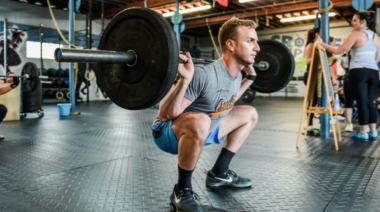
<point x="262" y="65"/>
<point x="95" y="56"/>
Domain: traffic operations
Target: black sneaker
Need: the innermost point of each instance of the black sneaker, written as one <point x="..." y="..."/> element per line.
<point x="1" y="137"/>
<point x="229" y="178"/>
<point x="185" y="200"/>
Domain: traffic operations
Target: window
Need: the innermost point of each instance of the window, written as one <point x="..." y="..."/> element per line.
<point x="33" y="50"/>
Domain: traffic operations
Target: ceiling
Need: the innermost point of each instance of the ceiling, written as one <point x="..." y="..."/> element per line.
<point x="267" y="12"/>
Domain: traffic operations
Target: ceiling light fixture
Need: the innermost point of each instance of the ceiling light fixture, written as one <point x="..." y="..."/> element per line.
<point x="189" y="10"/>
<point x="302" y="18"/>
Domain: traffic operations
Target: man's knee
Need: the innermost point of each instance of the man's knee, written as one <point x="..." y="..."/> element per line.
<point x="252" y="114"/>
<point x="196" y="125"/>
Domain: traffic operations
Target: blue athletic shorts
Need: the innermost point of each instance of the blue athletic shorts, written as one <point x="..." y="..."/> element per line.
<point x="165" y="139"/>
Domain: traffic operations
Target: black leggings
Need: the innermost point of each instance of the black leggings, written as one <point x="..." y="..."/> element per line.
<point x="347" y="88"/>
<point x="364" y="84"/>
<point x="3" y="112"/>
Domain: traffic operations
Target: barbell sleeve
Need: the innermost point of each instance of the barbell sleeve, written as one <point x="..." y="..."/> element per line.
<point x="93" y="56"/>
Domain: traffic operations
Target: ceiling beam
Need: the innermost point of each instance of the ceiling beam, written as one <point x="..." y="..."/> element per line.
<point x="216" y="18"/>
<point x="344" y="13"/>
<point x="151" y="3"/>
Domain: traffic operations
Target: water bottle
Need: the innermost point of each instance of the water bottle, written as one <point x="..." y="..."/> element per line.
<point x="337" y="102"/>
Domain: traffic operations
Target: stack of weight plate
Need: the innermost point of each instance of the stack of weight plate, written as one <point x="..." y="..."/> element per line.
<point x="31" y="91"/>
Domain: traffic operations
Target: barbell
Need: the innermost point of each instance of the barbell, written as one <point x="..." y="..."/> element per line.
<point x="262" y="65"/>
<point x="30" y="77"/>
<point x="129" y="58"/>
<point x="137" y="60"/>
<point x="25" y="76"/>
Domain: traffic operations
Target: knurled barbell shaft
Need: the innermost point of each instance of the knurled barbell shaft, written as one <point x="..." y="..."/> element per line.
<point x="93" y="56"/>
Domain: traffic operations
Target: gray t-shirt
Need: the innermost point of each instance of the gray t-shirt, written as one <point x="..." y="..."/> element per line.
<point x="212" y="91"/>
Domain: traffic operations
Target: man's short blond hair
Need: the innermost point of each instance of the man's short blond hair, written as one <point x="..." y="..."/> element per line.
<point x="229" y="29"/>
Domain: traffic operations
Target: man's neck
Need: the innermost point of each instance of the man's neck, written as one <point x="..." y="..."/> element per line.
<point x="232" y="65"/>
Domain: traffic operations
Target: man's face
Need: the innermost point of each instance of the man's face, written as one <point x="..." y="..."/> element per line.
<point x="246" y="46"/>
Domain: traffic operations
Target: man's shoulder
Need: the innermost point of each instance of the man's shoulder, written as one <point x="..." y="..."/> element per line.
<point x="214" y="64"/>
<point x="205" y="72"/>
<point x="209" y="67"/>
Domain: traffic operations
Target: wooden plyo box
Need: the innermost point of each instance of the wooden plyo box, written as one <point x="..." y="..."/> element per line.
<point x="11" y="100"/>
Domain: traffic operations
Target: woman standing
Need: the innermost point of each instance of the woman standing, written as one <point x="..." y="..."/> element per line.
<point x="310" y="42"/>
<point x="364" y="45"/>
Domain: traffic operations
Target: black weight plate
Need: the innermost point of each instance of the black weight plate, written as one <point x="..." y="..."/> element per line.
<point x="248" y="96"/>
<point x="31" y="83"/>
<point x="152" y="38"/>
<point x="281" y="67"/>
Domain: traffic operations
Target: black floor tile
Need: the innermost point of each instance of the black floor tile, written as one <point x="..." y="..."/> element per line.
<point x="105" y="160"/>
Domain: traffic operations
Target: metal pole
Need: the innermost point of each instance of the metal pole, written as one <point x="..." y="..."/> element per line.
<point x="177" y="30"/>
<point x="41" y="42"/>
<point x="87" y="14"/>
<point x="325" y="34"/>
<point x="102" y="16"/>
<point x="41" y="59"/>
<point x="89" y="41"/>
<point x="87" y="64"/>
<point x="5" y="45"/>
<point x="72" y="40"/>
<point x="377" y="18"/>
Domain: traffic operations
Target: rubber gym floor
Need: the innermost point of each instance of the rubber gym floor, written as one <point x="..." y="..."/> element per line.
<point x="105" y="160"/>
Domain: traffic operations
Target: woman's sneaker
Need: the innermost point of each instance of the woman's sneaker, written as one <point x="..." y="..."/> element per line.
<point x="229" y="178"/>
<point x="349" y="127"/>
<point x="360" y="136"/>
<point x="373" y="135"/>
<point x="341" y="118"/>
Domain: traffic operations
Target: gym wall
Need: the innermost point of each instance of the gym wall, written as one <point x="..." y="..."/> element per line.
<point x="294" y="38"/>
<point x="24" y="16"/>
